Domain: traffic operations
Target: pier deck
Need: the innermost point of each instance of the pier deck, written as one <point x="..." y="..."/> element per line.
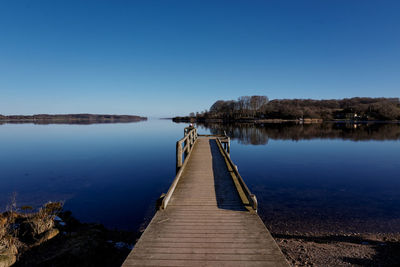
<point x="207" y="219"/>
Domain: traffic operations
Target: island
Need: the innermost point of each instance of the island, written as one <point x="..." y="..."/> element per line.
<point x="258" y="109"/>
<point x="70" y="118"/>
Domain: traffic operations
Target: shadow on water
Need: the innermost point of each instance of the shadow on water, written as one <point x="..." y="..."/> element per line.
<point x="225" y="190"/>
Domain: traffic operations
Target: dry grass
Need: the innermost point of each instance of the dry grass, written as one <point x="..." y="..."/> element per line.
<point x="43" y="220"/>
<point x="18" y="223"/>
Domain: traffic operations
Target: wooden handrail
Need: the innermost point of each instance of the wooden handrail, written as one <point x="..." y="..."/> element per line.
<point x="212" y="135"/>
<point x="189" y="140"/>
<point x="252" y="200"/>
<point x="183" y="154"/>
<point x="226" y="142"/>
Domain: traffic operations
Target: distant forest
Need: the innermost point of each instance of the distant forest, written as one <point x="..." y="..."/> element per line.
<point x="248" y="108"/>
<point x="69" y="118"/>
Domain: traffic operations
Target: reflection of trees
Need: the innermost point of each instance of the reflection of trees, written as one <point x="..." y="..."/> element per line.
<point x="245" y="133"/>
<point x="258" y="134"/>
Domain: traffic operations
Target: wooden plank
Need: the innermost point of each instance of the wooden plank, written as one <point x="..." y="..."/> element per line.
<point x="181" y="244"/>
<point x="202" y="256"/>
<point x="206" y="250"/>
<point x="194" y="263"/>
<point x="256" y="240"/>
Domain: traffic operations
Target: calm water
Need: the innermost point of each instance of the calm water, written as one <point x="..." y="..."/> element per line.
<point x="306" y="177"/>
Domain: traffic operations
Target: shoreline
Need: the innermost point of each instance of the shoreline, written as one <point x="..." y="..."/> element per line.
<point x="70" y="119"/>
<point x="72" y="242"/>
<point x="273" y="121"/>
<point x="59" y="239"/>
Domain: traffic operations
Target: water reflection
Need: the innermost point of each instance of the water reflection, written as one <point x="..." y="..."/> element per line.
<point x="105" y="172"/>
<point x="259" y="134"/>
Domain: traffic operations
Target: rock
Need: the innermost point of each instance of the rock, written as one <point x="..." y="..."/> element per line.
<point x="30" y="231"/>
<point x="8" y="256"/>
<point x="47" y="235"/>
<point x="7" y="260"/>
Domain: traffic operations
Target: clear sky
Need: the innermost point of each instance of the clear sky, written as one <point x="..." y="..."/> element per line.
<point x="163" y="58"/>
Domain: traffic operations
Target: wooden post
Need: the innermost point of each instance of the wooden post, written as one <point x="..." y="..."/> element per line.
<point x="229" y="146"/>
<point x="190" y="141"/>
<point x="185" y="148"/>
<point x="178" y="155"/>
<point x="254" y="202"/>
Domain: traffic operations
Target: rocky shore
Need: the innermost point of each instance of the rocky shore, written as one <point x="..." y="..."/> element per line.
<point x="353" y="249"/>
<point x="50" y="237"/>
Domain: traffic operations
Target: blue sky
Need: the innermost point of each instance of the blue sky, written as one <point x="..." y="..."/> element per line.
<point x="164" y="58"/>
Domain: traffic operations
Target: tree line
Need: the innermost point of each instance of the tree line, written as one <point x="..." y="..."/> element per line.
<point x="259" y="107"/>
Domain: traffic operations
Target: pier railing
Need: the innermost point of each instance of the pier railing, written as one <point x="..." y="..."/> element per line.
<point x="184" y="148"/>
<point x="226" y="142"/>
<point x="247" y="197"/>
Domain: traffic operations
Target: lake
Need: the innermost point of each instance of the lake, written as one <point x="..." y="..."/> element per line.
<point x="327" y="177"/>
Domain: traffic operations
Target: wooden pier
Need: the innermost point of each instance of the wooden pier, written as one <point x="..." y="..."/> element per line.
<point x="209" y="216"/>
